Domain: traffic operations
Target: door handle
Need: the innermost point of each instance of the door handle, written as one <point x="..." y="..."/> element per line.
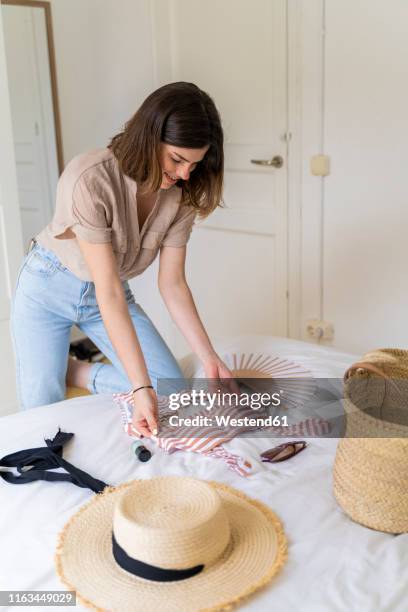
<point x="276" y="162"/>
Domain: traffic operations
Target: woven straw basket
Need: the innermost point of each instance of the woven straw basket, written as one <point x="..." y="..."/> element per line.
<point x="371" y="465"/>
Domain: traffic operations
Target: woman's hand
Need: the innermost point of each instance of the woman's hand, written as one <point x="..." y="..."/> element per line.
<point x="215" y="369"/>
<point x="145" y="413"/>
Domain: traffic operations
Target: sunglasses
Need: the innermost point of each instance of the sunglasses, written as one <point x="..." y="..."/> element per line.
<point x="283" y="451"/>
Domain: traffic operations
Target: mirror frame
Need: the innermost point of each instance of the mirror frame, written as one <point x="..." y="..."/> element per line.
<point x="53" y="72"/>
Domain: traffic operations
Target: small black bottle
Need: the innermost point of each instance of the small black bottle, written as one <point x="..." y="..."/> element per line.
<point x="141" y="452"/>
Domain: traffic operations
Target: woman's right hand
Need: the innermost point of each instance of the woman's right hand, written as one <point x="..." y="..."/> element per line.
<point x="145" y="413"/>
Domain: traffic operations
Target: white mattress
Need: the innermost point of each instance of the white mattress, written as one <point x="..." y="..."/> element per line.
<point x="334" y="564"/>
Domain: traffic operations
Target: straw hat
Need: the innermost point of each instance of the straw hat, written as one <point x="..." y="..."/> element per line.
<point x="186" y="544"/>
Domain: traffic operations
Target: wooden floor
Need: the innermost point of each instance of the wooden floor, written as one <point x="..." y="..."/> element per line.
<point x="75" y="392"/>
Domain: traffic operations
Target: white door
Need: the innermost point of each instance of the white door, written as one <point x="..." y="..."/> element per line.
<point x="236" y="51"/>
<point x="33" y="123"/>
<point x="11" y="248"/>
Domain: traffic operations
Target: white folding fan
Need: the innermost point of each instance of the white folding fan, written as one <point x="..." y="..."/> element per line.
<point x="295" y="382"/>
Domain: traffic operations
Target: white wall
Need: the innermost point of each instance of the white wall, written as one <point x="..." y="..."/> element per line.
<point x="365" y="198"/>
<point x="308" y="71"/>
<point x="11" y="245"/>
<point x="104" y="63"/>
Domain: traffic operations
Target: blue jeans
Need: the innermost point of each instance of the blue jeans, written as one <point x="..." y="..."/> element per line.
<point x="47" y="301"/>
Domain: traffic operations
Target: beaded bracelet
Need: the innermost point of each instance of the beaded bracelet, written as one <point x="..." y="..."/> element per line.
<point x="142" y="387"/>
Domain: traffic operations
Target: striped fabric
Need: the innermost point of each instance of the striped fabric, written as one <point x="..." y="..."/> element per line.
<point x="210" y="441"/>
<point x="209" y="446"/>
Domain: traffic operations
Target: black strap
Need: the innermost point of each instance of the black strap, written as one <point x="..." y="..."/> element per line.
<point x="150" y="572"/>
<point x="34" y="463"/>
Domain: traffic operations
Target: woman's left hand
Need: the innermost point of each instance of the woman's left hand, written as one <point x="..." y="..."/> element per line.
<point x="215" y="369"/>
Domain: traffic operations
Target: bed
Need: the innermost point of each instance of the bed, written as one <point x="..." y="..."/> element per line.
<point x="333" y="564"/>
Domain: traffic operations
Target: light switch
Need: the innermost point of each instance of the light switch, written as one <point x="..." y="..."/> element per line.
<point x="320" y="165"/>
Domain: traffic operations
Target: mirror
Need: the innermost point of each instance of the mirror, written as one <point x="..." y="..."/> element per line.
<point x="36" y="128"/>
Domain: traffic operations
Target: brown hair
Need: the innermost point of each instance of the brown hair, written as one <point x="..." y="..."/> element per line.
<point x="182" y="115"/>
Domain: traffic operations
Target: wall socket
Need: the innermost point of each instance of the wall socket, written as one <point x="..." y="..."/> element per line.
<point x="320" y="330"/>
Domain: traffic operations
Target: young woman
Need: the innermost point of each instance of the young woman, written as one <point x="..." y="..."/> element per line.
<point x="116" y="209"/>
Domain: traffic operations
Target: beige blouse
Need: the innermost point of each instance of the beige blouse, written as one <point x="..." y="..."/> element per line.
<point x="98" y="203"/>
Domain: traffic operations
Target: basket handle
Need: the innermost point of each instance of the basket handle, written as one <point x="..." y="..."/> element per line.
<point x="365" y="365"/>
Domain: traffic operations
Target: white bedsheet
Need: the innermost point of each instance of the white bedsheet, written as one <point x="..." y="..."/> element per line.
<point x="334" y="564"/>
